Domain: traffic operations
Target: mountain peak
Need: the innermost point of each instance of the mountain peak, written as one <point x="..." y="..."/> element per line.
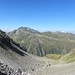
<point x="24" y="28"/>
<point x="27" y="29"/>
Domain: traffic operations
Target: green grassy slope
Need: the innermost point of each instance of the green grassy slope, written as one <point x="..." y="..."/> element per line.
<point x="70" y="57"/>
<point x="44" y="43"/>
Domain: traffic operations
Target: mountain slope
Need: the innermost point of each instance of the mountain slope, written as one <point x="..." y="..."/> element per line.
<point x="42" y="43"/>
<point x="14" y="55"/>
<point x="70" y="57"/>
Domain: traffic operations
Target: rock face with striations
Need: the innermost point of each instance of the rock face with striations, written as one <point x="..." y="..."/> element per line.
<point x="8" y="43"/>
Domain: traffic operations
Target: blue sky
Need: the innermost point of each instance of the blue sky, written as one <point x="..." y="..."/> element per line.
<point x="42" y="15"/>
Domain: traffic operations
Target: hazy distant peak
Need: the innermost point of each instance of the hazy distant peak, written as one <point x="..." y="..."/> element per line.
<point x="23" y="29"/>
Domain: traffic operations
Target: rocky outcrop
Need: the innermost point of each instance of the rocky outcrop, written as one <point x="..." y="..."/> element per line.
<point x="8" y="43"/>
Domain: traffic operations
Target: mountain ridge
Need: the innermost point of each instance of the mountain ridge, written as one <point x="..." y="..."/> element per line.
<point x="42" y="43"/>
<point x="8" y="43"/>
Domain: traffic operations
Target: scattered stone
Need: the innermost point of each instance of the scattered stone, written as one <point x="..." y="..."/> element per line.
<point x="32" y="69"/>
<point x="6" y="70"/>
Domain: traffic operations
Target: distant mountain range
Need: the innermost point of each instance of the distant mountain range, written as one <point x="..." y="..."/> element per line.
<point x="42" y="43"/>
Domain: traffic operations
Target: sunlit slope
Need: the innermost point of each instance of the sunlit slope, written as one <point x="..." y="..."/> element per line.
<point x="42" y="43"/>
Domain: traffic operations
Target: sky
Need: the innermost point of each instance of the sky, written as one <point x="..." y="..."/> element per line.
<point x="42" y="15"/>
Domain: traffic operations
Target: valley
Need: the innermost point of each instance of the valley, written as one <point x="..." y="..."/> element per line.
<point x="42" y="43"/>
<point x="16" y="56"/>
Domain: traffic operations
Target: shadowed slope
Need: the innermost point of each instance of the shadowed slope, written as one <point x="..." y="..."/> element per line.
<point x="7" y="43"/>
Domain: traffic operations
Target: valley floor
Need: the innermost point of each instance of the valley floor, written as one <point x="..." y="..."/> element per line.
<point x="65" y="69"/>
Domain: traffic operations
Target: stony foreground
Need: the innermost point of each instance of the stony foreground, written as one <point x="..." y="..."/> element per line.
<point x="6" y="70"/>
<point x="65" y="69"/>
